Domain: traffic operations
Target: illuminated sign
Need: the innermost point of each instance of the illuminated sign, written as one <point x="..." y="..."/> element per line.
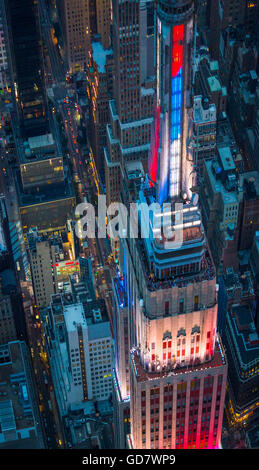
<point x="65" y="268"/>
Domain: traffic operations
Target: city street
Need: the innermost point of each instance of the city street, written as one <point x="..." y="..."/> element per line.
<point x="50" y="421"/>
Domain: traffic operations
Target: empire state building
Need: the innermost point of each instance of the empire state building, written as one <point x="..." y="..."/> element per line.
<point x="168" y="350"/>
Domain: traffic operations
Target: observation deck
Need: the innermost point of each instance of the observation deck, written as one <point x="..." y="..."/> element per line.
<point x="143" y="375"/>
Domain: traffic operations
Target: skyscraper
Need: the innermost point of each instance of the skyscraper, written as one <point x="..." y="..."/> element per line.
<point x="74" y="16"/>
<point x="3" y="50"/>
<point x="177" y="367"/>
<point x="81" y="20"/>
<point x="242" y="341"/>
<point x="99" y="89"/>
<point x="204" y="132"/>
<point x="79" y="343"/>
<point x="52" y="262"/>
<point x="129" y="128"/>
<point x="27" y="66"/>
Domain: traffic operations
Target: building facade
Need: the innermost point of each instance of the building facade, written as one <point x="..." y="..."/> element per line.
<point x="242" y="343"/>
<point x="204" y="132"/>
<point x="3" y="49"/>
<point x="80" y="21"/>
<point x="7" y="320"/>
<point x="130" y="112"/>
<point x="52" y="261"/>
<point x="26" y="63"/>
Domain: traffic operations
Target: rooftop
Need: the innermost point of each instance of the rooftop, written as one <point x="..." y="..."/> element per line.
<point x="234" y="280"/>
<point x="134" y="169"/>
<point x="37" y="148"/>
<point x="214" y="65"/>
<point x="226" y="158"/>
<point x="85" y="430"/>
<point x="53" y="193"/>
<point x="220" y="186"/>
<point x="243" y="332"/>
<point x="99" y="55"/>
<point x="40" y="142"/>
<point x="73" y="316"/>
<point x="80" y="305"/>
<point x="225" y="136"/>
<point x="99" y="330"/>
<point x="214" y="84"/>
<point x="204" y="111"/>
<point x="16" y="396"/>
<point x="60" y="242"/>
<point x="250" y="182"/>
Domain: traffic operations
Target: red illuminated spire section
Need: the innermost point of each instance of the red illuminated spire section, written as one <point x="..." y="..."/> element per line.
<point x="177" y="50"/>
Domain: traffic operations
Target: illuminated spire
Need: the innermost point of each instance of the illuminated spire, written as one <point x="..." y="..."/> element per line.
<point x="168" y="167"/>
